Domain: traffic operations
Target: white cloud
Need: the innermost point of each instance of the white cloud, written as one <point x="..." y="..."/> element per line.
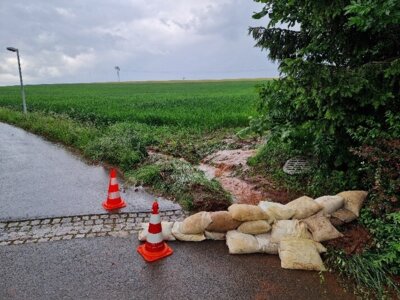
<point x="64" y="12"/>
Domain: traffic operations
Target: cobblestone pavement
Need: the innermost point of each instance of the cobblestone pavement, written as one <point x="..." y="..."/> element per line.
<point x="66" y="228"/>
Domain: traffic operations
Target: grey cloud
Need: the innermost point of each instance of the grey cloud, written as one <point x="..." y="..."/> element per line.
<point x="81" y="41"/>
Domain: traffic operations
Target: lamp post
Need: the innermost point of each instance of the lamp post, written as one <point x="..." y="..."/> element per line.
<point x="12" y="49"/>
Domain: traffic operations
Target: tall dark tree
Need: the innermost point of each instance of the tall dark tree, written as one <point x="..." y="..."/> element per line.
<point x="340" y="75"/>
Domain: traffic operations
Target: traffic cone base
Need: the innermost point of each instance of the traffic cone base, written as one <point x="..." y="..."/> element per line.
<point x="109" y="205"/>
<point x="153" y="256"/>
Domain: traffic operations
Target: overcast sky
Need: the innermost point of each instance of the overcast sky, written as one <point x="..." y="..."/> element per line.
<point x="83" y="40"/>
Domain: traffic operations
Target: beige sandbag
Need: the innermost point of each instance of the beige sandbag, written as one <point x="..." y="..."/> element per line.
<point x="222" y="221"/>
<point x="304" y="207"/>
<point x="254" y="227"/>
<point x="300" y="254"/>
<point x="353" y="200"/>
<point x="166" y="231"/>
<point x="216" y="236"/>
<point x="289" y="228"/>
<point x="330" y="204"/>
<point x="246" y="212"/>
<point x="266" y="245"/>
<point x="276" y="210"/>
<point x="196" y="224"/>
<point x="241" y="243"/>
<point x="176" y="231"/>
<point x="321" y="228"/>
<point x="344" y="215"/>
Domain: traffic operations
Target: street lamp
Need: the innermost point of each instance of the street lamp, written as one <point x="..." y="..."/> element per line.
<point x="12" y="49"/>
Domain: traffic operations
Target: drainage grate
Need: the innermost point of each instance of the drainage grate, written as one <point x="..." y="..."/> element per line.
<point x="297" y="165"/>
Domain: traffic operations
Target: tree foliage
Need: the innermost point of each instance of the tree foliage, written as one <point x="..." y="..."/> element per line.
<point x="340" y="75"/>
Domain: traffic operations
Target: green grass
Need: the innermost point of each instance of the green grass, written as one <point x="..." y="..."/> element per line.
<point x="196" y="105"/>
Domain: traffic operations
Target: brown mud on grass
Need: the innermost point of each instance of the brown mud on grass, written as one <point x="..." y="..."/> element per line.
<point x="242" y="191"/>
<point x="229" y="160"/>
<point x="230" y="168"/>
<point x="355" y="239"/>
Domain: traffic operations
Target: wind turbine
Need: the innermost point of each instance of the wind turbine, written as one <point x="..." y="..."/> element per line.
<point x="118" y="69"/>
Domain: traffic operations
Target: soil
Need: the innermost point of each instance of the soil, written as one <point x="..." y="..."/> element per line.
<point x="270" y="190"/>
<point x="229" y="160"/>
<point x="356" y="238"/>
<point x="203" y="200"/>
<point x="229" y="167"/>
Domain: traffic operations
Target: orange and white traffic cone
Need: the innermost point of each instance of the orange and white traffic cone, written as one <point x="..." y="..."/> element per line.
<point x="155" y="248"/>
<point x="114" y="200"/>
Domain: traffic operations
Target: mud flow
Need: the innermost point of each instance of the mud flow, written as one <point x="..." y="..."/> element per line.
<point x="227" y="166"/>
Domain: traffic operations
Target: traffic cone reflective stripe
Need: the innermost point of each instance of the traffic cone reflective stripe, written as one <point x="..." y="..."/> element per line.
<point x="113" y="181"/>
<point x="114" y="200"/>
<point x="155" y="224"/>
<point x="155" y="248"/>
<point x="154" y="238"/>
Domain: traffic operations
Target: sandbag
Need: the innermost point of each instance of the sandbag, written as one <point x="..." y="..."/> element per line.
<point x="301" y="254"/>
<point x="222" y="221"/>
<point x="321" y="228"/>
<point x="216" y="236"/>
<point x="196" y="224"/>
<point x="176" y="231"/>
<point x="330" y="204"/>
<point x="276" y="210"/>
<point x="246" y="212"/>
<point x="241" y="243"/>
<point x="353" y="200"/>
<point x="166" y="231"/>
<point x="266" y="245"/>
<point x="344" y="215"/>
<point x="254" y="227"/>
<point x="289" y="228"/>
<point x="304" y="207"/>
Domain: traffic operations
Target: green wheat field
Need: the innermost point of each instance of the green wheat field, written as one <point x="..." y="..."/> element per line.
<point x="192" y="104"/>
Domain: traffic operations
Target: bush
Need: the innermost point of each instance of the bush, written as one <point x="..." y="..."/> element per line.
<point x="340" y="74"/>
<point x="386" y="233"/>
<point x="381" y="165"/>
<point x="319" y="180"/>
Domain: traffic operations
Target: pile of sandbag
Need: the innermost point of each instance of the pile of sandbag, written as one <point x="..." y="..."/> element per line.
<point x="293" y="231"/>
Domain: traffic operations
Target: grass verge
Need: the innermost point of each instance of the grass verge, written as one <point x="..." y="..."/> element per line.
<point x="179" y="179"/>
<point x="369" y="278"/>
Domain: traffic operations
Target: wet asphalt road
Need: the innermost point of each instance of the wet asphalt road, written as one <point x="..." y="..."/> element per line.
<point x="40" y="179"/>
<point x="110" y="268"/>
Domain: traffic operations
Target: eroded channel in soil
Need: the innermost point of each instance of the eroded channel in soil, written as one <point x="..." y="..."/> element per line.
<point x="229" y="167"/>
